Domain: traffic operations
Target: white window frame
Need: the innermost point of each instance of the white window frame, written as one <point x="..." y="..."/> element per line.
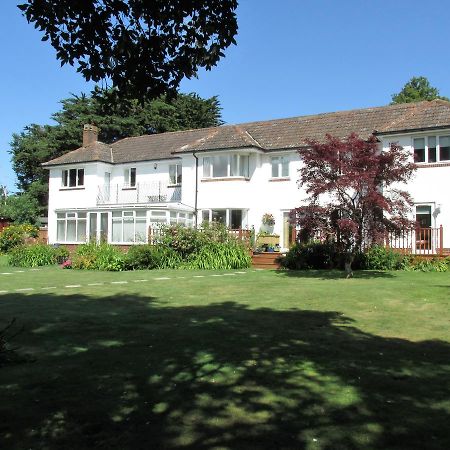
<point x="72" y="216"/>
<point x="427" y="147"/>
<point x="181" y="218"/>
<point x="65" y="178"/>
<point x="127" y="214"/>
<point x="127" y="178"/>
<point x="230" y="156"/>
<point x="178" y="174"/>
<point x="282" y="160"/>
<point x="209" y="211"/>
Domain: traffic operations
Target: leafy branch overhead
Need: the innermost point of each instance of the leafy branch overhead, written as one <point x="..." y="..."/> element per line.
<point x="144" y="48"/>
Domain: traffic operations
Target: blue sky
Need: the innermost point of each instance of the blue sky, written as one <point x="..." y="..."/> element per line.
<point x="292" y="58"/>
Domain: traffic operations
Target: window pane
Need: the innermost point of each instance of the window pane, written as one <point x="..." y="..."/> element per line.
<point x="65" y="177"/>
<point x="117" y="230"/>
<point x="444" y="151"/>
<point x="207" y="167"/>
<point x="80" y="177"/>
<point x="243" y="169"/>
<point x="179" y="173"/>
<point x="93" y="226"/>
<point x="140" y="231"/>
<point x="117" y="214"/>
<point x="205" y="215"/>
<point x="275" y="162"/>
<point x="141" y="213"/>
<point x="61" y="231"/>
<point x="82" y="215"/>
<point x="104" y="226"/>
<point x="284" y="167"/>
<point x="128" y="230"/>
<point x="172" y="174"/>
<point x="60" y="215"/>
<point x="71" y="227"/>
<point x="423" y="216"/>
<point x="419" y="150"/>
<point x="72" y="177"/>
<point x="236" y="219"/>
<point x="126" y="176"/>
<point x="219" y="215"/>
<point x="133" y="177"/>
<point x="81" y="230"/>
<point x="234" y="165"/>
<point x="220" y="166"/>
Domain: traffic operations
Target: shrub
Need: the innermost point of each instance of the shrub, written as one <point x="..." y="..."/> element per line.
<point x="382" y="258"/>
<point x="187" y="241"/>
<point x="429" y="265"/>
<point x="152" y="257"/>
<point x="311" y="255"/>
<point x="16" y="235"/>
<point x="220" y="255"/>
<point x="95" y="256"/>
<point x="33" y="255"/>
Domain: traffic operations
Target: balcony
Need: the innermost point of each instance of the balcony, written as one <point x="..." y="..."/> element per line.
<point x="141" y="193"/>
<point x="420" y="241"/>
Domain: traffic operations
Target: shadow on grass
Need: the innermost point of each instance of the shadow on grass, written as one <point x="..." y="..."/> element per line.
<point x="127" y="372"/>
<point x="335" y="274"/>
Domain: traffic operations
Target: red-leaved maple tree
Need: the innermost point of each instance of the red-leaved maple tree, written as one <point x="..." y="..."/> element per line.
<point x="355" y="192"/>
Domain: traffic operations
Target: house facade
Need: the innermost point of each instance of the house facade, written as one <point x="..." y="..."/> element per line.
<point x="233" y="174"/>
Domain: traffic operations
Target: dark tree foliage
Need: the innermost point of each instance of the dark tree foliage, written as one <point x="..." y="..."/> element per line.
<point x="144" y="47"/>
<point x="355" y="192"/>
<point x="116" y="120"/>
<point x="416" y="90"/>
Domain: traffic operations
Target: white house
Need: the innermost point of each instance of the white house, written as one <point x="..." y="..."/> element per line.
<point x="233" y="173"/>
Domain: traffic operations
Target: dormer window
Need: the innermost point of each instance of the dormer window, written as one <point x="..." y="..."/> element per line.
<point x="130" y="177"/>
<point x="73" y="178"/>
<point x="222" y="166"/>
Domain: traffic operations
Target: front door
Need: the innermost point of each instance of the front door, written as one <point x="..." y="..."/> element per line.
<point x="288" y="231"/>
<point x="423" y="234"/>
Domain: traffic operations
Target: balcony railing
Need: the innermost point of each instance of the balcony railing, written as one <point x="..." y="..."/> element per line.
<point x="156" y="192"/>
<point x="420" y="241"/>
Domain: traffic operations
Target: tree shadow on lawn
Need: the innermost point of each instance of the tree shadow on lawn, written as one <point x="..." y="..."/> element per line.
<point x="129" y="372"/>
<point x="335" y="274"/>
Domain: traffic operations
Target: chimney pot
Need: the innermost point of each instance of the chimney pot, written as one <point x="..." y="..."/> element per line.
<point x="90" y="134"/>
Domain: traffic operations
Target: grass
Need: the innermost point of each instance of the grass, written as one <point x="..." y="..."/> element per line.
<point x="250" y="361"/>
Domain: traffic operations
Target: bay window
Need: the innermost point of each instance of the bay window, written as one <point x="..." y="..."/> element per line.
<point x="71" y="227"/>
<point x="222" y="166"/>
<point x="73" y="177"/>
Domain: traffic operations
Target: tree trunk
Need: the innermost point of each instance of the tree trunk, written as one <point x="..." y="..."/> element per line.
<point x="348" y="265"/>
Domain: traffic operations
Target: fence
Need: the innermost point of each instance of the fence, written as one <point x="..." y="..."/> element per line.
<point x="419" y="241"/>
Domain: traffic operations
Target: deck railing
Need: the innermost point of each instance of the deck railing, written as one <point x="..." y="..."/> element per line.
<point x="156" y="192"/>
<point x="419" y="241"/>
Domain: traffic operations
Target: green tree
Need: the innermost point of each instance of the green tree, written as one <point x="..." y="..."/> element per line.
<point x="21" y="208"/>
<point x="144" y="48"/>
<point x="416" y="90"/>
<point x="116" y="120"/>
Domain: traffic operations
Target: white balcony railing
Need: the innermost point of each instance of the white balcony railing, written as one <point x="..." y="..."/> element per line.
<point x="156" y="192"/>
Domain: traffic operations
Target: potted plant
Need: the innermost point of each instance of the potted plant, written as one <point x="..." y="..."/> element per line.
<point x="268" y="221"/>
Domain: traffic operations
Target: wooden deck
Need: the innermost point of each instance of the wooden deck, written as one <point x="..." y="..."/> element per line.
<point x="266" y="260"/>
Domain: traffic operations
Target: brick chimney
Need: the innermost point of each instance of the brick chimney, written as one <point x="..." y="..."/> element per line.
<point x="90" y="134"/>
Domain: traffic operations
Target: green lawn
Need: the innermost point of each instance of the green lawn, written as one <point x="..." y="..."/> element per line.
<point x="261" y="360"/>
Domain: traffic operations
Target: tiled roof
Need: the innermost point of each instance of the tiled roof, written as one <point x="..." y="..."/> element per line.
<point x="98" y="151"/>
<point x="270" y="135"/>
